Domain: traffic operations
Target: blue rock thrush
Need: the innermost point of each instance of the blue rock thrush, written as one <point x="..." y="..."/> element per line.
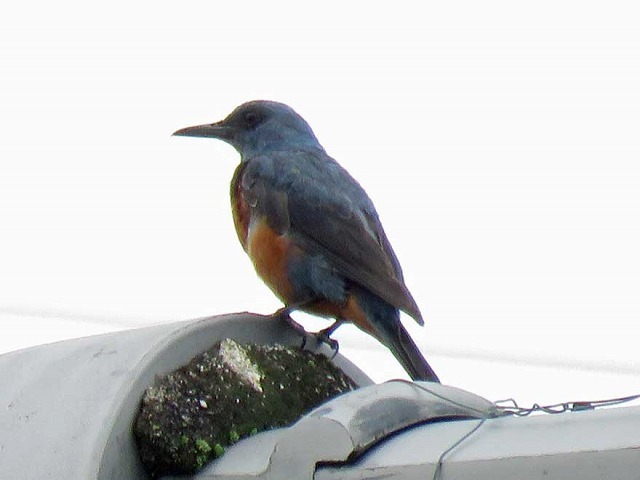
<point x="311" y="230"/>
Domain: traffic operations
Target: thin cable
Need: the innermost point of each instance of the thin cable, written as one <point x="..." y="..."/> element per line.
<point x="438" y="470"/>
<point x="554" y="409"/>
<point x="481" y="413"/>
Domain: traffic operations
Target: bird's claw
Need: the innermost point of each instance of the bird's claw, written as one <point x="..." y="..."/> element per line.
<point x="323" y="336"/>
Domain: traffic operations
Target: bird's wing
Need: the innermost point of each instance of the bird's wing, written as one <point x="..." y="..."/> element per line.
<point x="329" y="213"/>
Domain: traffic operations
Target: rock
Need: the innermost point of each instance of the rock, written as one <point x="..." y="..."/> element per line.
<point x="231" y="391"/>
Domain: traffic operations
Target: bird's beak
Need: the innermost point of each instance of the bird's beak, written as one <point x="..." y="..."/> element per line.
<point x="210" y="130"/>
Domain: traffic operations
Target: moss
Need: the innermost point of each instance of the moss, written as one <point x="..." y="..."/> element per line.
<point x="218" y="450"/>
<point x="192" y="414"/>
<point x="203" y="446"/>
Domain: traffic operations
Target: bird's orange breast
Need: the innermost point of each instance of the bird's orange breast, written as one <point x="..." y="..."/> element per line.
<point x="270" y="253"/>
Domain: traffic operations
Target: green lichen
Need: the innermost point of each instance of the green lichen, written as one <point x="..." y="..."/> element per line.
<point x="204" y="450"/>
<point x="218" y="450"/>
<point x="203" y="446"/>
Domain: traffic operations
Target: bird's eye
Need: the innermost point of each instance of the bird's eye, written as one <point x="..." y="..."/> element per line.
<point x="251" y="120"/>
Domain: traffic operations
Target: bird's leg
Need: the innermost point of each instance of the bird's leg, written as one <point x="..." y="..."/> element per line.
<point x="331" y="328"/>
<point x="284" y="313"/>
<point x="323" y="336"/>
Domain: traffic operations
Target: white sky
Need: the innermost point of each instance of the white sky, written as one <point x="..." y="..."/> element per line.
<point x="498" y="140"/>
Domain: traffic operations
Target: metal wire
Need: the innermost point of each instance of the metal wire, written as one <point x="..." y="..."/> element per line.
<point x="438" y="471"/>
<point x="481" y="413"/>
<point x="575" y="406"/>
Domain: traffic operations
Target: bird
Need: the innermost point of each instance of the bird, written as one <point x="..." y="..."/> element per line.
<point x="311" y="231"/>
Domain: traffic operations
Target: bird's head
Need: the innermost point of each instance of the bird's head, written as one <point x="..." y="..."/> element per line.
<point x="259" y="127"/>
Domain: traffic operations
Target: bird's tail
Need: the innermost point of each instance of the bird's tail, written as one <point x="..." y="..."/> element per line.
<point x="406" y="351"/>
<point x="385" y="321"/>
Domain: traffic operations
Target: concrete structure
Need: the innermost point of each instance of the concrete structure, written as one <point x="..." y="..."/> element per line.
<point x="66" y="411"/>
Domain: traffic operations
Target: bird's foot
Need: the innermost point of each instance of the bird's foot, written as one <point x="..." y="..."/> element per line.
<point x="324" y="336"/>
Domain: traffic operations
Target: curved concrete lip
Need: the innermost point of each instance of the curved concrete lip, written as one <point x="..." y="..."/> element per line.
<point x="67" y="408"/>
